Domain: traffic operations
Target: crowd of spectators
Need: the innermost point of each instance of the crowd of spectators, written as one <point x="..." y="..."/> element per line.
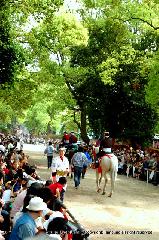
<point x="15" y="175"/>
<point x="143" y="165"/>
<point x="27" y="202"/>
<point x="19" y="183"/>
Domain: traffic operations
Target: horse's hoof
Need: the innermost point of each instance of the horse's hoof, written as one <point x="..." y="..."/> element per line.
<point x="110" y="194"/>
<point x="98" y="190"/>
<point x="103" y="193"/>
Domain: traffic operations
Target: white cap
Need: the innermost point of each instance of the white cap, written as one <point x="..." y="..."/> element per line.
<point x="36" y="204"/>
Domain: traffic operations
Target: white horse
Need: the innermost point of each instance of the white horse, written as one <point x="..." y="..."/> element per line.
<point x="108" y="164"/>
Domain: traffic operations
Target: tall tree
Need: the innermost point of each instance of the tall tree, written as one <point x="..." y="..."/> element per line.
<point x="55" y="37"/>
<point x="112" y="59"/>
<point x="8" y="49"/>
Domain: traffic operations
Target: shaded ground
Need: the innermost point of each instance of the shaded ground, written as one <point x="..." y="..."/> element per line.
<point x="134" y="205"/>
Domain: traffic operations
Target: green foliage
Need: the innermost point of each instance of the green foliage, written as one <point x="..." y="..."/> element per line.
<point x="153" y="85"/>
<point x="37" y="118"/>
<point x="11" y="54"/>
<point x="56" y="35"/>
<point x="100" y="66"/>
<point x="152" y="89"/>
<point x="6" y="113"/>
<point x="118" y="104"/>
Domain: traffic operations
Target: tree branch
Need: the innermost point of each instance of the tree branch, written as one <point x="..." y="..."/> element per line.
<point x="70" y="88"/>
<point x="145" y="21"/>
<point x="142" y="20"/>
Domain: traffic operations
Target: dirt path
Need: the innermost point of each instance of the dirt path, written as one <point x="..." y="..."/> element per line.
<point x="133" y="207"/>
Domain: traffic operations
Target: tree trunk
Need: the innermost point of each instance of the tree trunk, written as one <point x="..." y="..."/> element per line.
<point x="13" y="124"/>
<point x="83" y="127"/>
<point x="49" y="128"/>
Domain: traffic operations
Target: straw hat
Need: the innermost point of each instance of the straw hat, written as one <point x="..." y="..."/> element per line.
<point x="36" y="204"/>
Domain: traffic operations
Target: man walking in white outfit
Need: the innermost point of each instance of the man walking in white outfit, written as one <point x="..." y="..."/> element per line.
<point x="60" y="165"/>
<point x="60" y="168"/>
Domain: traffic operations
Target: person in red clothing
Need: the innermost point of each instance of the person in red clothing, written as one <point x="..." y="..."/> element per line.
<point x="65" y="139"/>
<point x="73" y="139"/>
<point x="57" y="188"/>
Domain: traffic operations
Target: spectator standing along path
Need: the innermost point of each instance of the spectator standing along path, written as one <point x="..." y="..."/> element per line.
<point x="49" y="151"/>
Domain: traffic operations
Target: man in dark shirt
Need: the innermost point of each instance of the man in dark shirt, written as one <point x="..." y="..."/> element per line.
<point x="106" y="143"/>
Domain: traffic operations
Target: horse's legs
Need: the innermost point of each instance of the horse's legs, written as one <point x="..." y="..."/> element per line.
<point x="113" y="177"/>
<point x="98" y="180"/>
<point x="105" y="182"/>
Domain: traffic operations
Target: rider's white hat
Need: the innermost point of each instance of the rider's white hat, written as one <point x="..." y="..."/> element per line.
<point x="107" y="150"/>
